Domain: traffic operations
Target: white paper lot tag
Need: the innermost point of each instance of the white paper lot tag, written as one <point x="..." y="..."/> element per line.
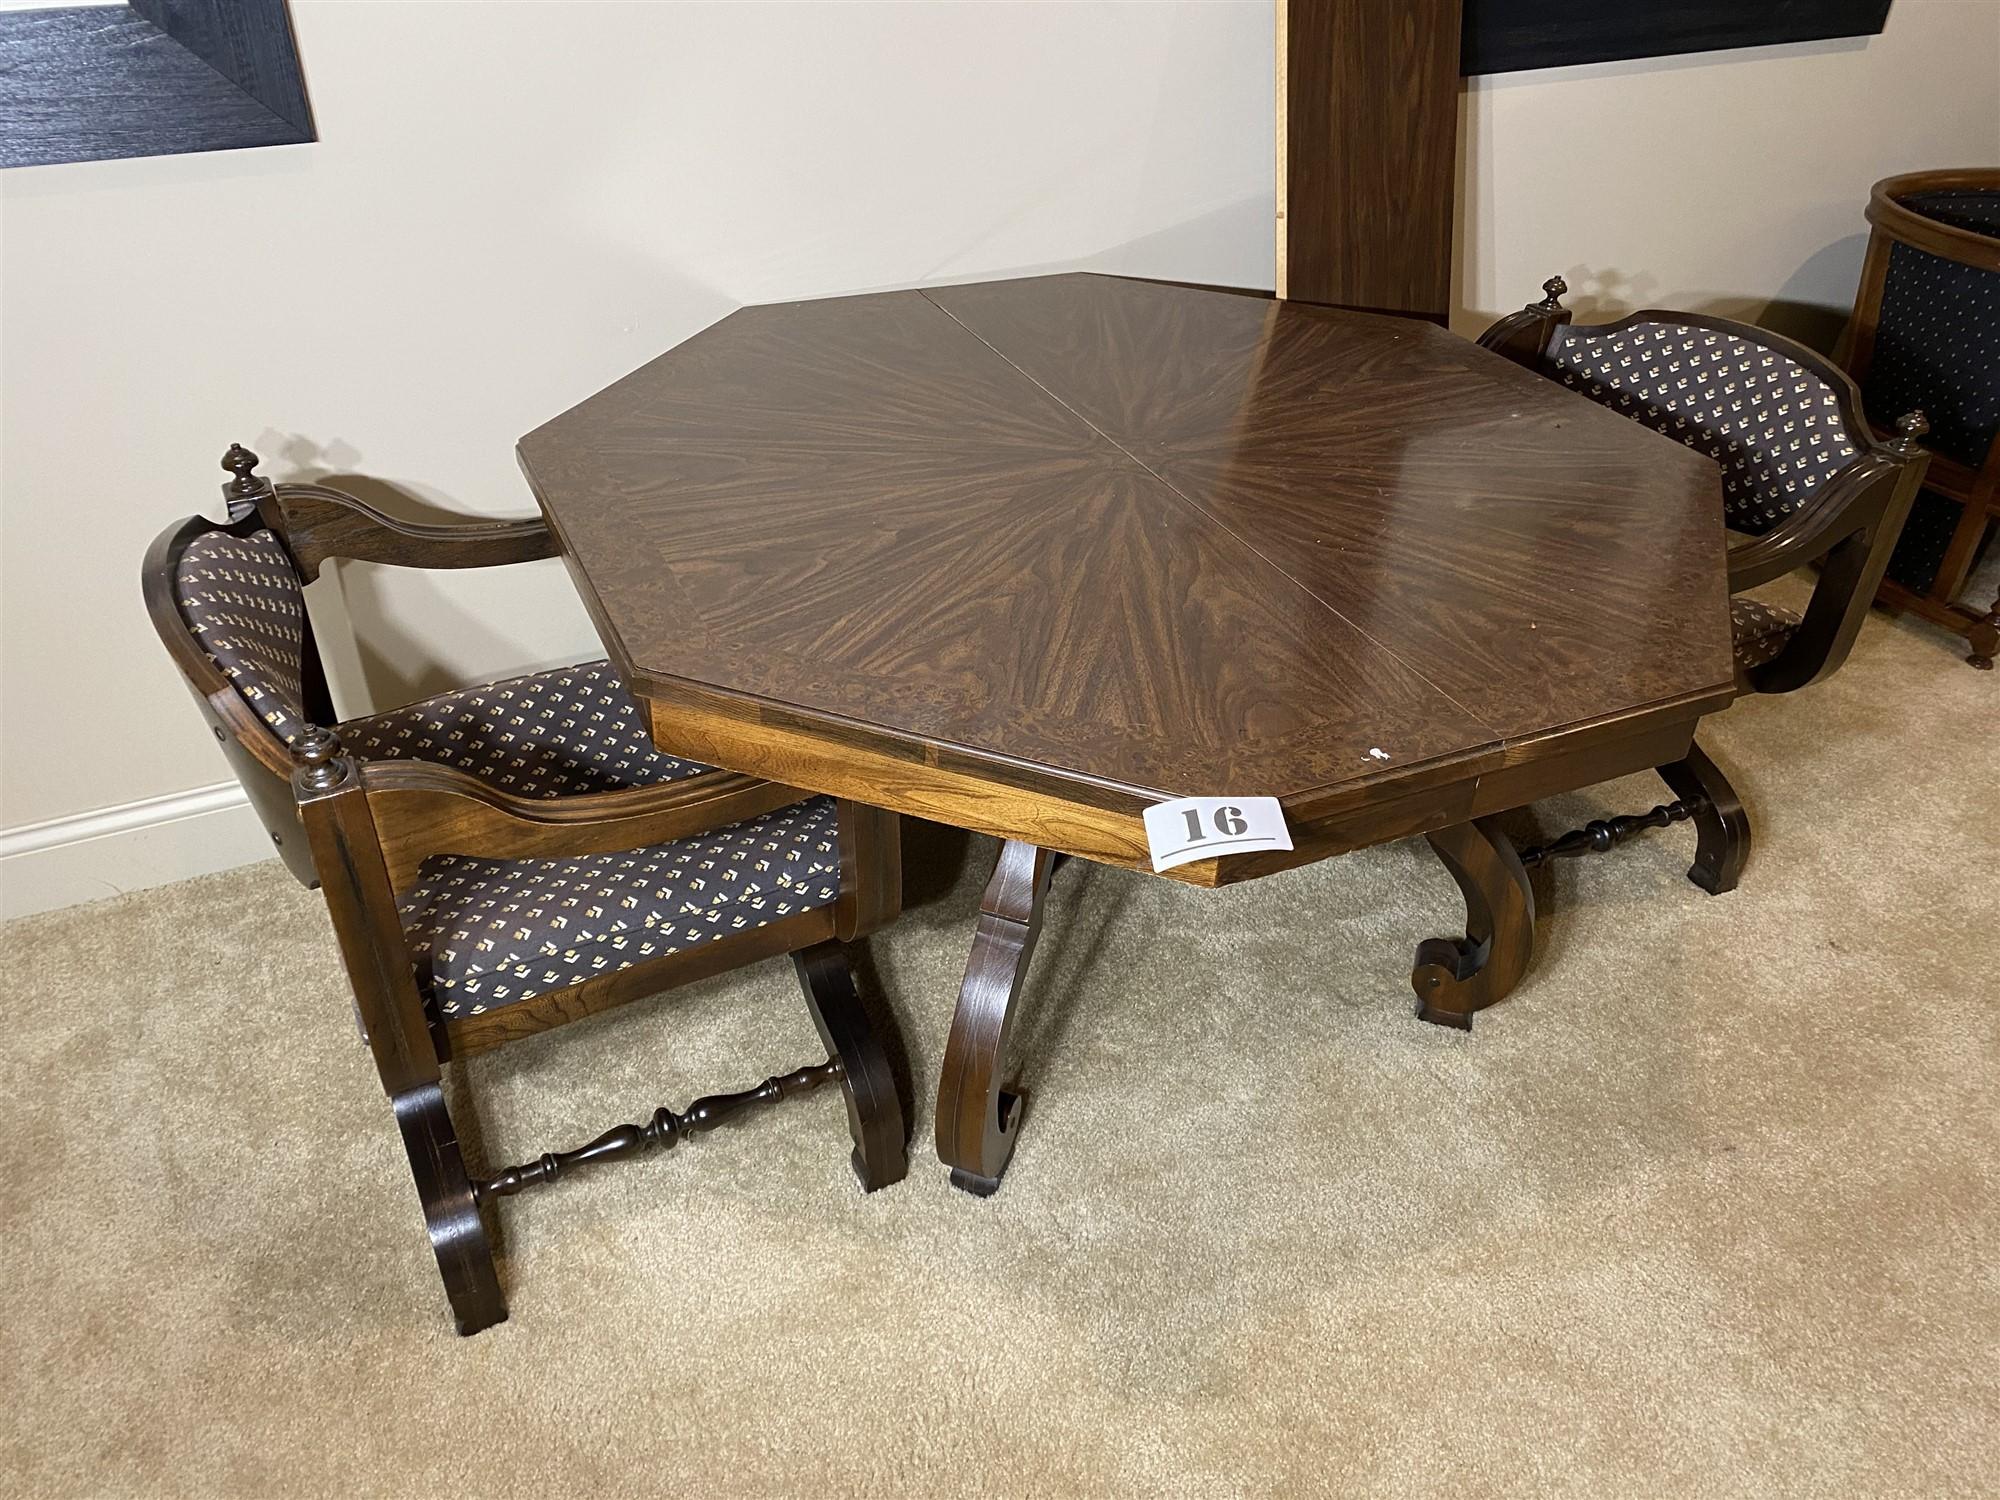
<point x="1190" y="828"/>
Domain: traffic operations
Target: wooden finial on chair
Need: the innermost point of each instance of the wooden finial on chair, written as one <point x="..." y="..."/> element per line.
<point x="243" y="492"/>
<point x="1553" y="291"/>
<point x="320" y="764"/>
<point x="1910" y="429"/>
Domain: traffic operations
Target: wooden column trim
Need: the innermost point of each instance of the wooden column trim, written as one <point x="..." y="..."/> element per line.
<point x="1367" y="132"/>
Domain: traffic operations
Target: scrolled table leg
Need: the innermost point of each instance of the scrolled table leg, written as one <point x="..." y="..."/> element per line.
<point x="978" y="1112"/>
<point x="1455" y="977"/>
<point x="1722" y="827"/>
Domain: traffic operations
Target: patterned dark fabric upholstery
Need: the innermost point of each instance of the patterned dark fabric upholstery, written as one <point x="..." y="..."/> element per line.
<point x="1937" y="348"/>
<point x="548" y="734"/>
<point x="1773" y="425"/>
<point x="1974" y="208"/>
<point x="1761" y="631"/>
<point x="487" y="933"/>
<point x="242" y="600"/>
<point x="558" y="733"/>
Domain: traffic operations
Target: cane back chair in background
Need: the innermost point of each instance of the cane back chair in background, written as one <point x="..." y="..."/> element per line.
<point x="1804" y="480"/>
<point x="504" y="859"/>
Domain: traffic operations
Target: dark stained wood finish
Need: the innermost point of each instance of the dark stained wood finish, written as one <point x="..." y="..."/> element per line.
<point x="665" y="1130"/>
<point x="361" y="830"/>
<point x="871" y="880"/>
<point x="1976" y="488"/>
<point x="1479" y="526"/>
<point x="1029" y="556"/>
<point x="1454" y="977"/>
<point x="1702" y="795"/>
<point x="979" y="1102"/>
<point x="1367" y="153"/>
<point x="451" y="1209"/>
<point x="320" y="523"/>
<point x="1722" y="827"/>
<point x="362" y="903"/>
<point x="874" y="1108"/>
<point x="1850" y="527"/>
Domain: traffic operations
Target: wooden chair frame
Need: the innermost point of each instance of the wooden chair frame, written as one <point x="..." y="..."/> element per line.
<point x="1977" y="490"/>
<point x="1849" y="528"/>
<point x="360" y="829"/>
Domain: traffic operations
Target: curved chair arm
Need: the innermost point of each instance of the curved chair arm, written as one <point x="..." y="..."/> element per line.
<point x="1524" y="336"/>
<point x="1854" y="501"/>
<point x="1852" y="528"/>
<point x="421" y="808"/>
<point x="316" y="522"/>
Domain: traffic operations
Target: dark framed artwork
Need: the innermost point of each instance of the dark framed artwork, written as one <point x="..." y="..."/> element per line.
<point x="1504" y="36"/>
<point x="148" y="78"/>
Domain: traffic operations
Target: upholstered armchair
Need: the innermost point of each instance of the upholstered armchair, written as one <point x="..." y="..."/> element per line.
<point x="1804" y="481"/>
<point x="507" y="858"/>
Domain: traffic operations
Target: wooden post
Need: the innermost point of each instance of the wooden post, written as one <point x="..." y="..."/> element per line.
<point x="1367" y="153"/>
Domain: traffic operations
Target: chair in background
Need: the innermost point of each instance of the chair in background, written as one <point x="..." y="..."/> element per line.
<point x="507" y="858"/>
<point x="1925" y="331"/>
<point x="1804" y="480"/>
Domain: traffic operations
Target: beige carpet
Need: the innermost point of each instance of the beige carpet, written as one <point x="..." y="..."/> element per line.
<point x="1707" y="1208"/>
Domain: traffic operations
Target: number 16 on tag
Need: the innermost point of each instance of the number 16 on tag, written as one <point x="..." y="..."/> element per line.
<point x="1191" y="828"/>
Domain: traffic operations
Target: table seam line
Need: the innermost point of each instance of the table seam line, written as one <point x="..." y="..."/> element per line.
<point x="1209" y="515"/>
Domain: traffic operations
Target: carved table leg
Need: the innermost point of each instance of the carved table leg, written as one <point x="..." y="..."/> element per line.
<point x="874" y="1109"/>
<point x="976" y="1112"/>
<point x="1722" y="827"/>
<point x="451" y="1212"/>
<point x="1454" y="978"/>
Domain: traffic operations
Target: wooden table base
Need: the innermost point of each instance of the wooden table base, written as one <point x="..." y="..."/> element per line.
<point x="979" y="1104"/>
<point x="977" y="1109"/>
<point x="1454" y="977"/>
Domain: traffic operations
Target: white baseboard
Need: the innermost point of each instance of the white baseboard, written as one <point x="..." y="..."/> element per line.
<point x="110" y="850"/>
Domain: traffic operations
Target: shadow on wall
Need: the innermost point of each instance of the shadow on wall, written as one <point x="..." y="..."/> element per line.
<point x="1811" y="307"/>
<point x="1813" y="304"/>
<point x="1206" y="249"/>
<point x="382" y="641"/>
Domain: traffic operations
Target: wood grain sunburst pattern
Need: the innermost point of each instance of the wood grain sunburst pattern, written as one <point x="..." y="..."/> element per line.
<point x="1028" y="555"/>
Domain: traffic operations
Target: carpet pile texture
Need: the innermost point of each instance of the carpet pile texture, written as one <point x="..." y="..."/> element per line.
<point x="1706" y="1208"/>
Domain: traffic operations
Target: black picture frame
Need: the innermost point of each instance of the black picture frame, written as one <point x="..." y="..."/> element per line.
<point x="149" y="78"/>
<point x="1506" y="36"/>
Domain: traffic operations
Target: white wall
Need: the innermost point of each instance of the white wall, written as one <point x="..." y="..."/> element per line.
<point x="1720" y="182"/>
<point x="512" y="204"/>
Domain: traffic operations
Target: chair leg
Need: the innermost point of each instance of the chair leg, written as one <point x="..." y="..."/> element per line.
<point x="1722" y="827"/>
<point x="1984" y="638"/>
<point x="458" y="1234"/>
<point x="875" y="1116"/>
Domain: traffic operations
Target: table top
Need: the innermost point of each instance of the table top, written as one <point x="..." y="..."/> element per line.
<point x="1026" y="556"/>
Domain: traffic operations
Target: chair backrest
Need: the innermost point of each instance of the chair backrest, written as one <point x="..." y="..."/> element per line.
<point x="242" y="599"/>
<point x="227" y="604"/>
<point x="1778" y="427"/>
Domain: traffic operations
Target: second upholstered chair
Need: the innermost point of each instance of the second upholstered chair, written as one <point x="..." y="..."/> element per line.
<point x="504" y="859"/>
<point x="1804" y="480"/>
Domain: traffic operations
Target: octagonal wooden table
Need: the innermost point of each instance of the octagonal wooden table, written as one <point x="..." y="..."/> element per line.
<point x="1029" y="556"/>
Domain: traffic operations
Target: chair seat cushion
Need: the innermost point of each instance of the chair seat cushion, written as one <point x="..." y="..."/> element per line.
<point x="486" y="933"/>
<point x="1760" y="630"/>
<point x="558" y="733"/>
